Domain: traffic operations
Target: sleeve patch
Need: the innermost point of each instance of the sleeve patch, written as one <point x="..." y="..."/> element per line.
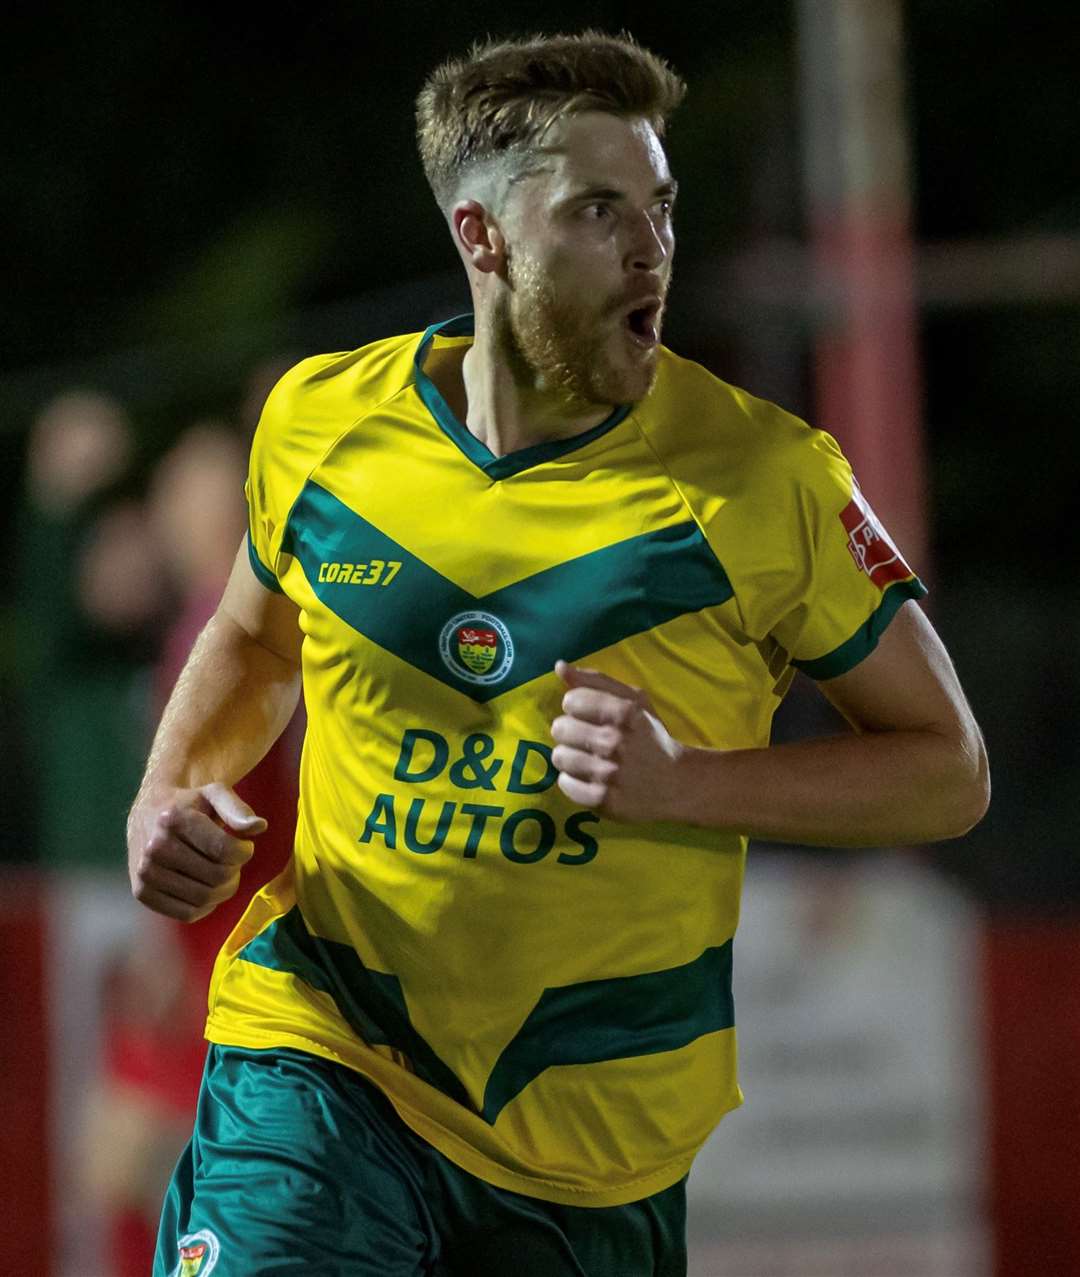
<point x="870" y="545"/>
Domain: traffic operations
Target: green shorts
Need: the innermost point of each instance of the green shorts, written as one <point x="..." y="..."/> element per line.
<point x="301" y="1168"/>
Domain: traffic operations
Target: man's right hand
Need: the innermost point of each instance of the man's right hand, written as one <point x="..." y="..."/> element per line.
<point x="184" y="858"/>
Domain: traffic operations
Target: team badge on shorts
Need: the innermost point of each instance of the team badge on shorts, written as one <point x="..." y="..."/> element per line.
<point x="198" y="1254"/>
<point x="477" y="647"/>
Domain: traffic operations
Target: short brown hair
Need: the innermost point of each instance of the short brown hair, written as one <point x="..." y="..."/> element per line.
<point x="506" y="94"/>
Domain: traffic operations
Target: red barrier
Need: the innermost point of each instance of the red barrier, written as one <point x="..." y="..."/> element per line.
<point x="1033" y="1071"/>
<point x="27" y="1226"/>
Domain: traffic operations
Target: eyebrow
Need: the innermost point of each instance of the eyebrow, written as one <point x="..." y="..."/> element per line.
<point x="610" y="193"/>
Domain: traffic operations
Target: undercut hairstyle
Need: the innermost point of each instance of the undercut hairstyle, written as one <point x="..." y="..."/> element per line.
<point x="500" y="100"/>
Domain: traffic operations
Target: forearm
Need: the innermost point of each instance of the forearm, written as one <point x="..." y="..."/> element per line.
<point x="890" y="788"/>
<point x="231" y="702"/>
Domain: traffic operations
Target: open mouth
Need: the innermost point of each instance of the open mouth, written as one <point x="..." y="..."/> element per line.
<point x="641" y="323"/>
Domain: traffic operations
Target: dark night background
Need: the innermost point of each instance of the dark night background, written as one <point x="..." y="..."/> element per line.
<point x="188" y="189"/>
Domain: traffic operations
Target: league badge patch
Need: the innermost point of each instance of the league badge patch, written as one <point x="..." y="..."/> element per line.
<point x="477" y="647"/>
<point x="870" y="545"/>
<point x="198" y="1254"/>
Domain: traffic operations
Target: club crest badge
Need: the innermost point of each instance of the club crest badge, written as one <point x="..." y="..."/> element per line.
<point x="198" y="1254"/>
<point x="477" y="647"/>
<point x="191" y="1259"/>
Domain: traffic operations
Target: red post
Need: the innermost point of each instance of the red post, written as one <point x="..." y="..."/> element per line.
<point x="868" y="386"/>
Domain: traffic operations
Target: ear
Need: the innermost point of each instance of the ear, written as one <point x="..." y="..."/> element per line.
<point x="477" y="236"/>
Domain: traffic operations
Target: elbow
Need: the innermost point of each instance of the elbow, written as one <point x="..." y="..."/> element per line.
<point x="976" y="802"/>
<point x="969" y="788"/>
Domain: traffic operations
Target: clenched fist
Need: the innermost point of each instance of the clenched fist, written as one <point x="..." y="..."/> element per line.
<point x="184" y="857"/>
<point x="613" y="753"/>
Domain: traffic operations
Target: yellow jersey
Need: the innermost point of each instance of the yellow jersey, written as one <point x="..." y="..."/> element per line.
<point x="543" y="994"/>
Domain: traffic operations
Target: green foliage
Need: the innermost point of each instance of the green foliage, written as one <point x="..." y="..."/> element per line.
<point x="246" y="275"/>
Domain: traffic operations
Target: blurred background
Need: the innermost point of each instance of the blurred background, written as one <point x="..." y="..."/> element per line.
<point x="879" y="227"/>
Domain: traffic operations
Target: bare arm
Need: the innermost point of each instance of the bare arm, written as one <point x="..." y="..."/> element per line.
<point x="913" y="770"/>
<point x="233" y="699"/>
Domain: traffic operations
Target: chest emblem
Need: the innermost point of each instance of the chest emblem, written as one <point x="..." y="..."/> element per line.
<point x="484" y="645"/>
<point x="477" y="647"/>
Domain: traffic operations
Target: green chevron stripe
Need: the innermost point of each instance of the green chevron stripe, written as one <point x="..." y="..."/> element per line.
<point x="865" y="639"/>
<point x="582" y="1023"/>
<point x="570" y="610"/>
<point x="613" y="1019"/>
<point x="371" y="1002"/>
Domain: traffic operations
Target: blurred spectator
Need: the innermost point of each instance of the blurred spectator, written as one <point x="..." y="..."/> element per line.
<point x="140" y="1115"/>
<point x="79" y="444"/>
<point x="118" y="582"/>
<point x="198" y="513"/>
<point x="89" y="585"/>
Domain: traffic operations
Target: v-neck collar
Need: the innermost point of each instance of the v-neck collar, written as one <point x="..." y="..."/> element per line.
<point x="479" y="453"/>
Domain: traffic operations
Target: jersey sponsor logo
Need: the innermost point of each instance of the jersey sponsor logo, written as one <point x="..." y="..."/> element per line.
<point x="377" y="572"/>
<point x="198" y="1254"/>
<point x="477" y="646"/>
<point x="524" y="835"/>
<point x="870" y="545"/>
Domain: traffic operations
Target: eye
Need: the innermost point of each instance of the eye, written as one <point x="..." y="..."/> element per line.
<point x="597" y="212"/>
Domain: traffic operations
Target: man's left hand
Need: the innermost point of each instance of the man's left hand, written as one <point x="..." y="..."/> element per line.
<point x="612" y="752"/>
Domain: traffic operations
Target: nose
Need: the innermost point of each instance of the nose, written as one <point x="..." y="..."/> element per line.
<point x="649" y="246"/>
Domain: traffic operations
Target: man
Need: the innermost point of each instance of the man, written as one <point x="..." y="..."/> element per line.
<point x="485" y="1018"/>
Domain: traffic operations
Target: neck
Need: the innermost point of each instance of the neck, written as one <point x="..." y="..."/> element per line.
<point x="507" y="411"/>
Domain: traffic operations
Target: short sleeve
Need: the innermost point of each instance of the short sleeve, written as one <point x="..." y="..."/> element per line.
<point x="261" y="524"/>
<point x="853" y="577"/>
<point x="291" y="436"/>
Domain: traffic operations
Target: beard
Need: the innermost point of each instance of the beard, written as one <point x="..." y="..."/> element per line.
<point x="572" y="350"/>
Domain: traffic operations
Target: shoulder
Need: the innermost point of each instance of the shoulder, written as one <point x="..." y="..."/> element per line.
<point x="721" y="444"/>
<point x="310" y="407"/>
<point x="325" y="390"/>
